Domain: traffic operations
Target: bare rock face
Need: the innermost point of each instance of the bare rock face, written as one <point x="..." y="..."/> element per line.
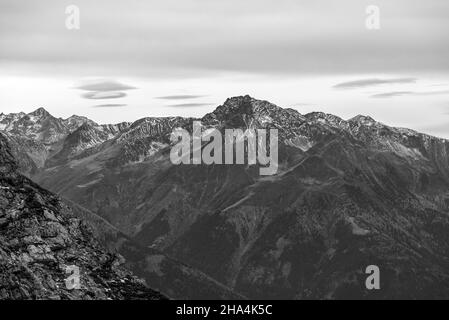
<point x="40" y="239"/>
<point x="7" y="162"/>
<point x="38" y="139"/>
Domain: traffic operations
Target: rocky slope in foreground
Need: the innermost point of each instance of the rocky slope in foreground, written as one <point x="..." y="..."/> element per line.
<point x="40" y="238"/>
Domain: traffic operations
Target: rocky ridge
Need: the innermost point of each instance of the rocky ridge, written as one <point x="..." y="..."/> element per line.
<point x="40" y="238"/>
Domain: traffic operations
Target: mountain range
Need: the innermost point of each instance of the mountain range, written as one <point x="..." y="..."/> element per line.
<point x="348" y="194"/>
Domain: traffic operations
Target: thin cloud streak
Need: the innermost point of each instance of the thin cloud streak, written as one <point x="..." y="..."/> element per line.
<point x="105" y="85"/>
<point x="363" y="83"/>
<point x="391" y="94"/>
<point x="189" y="105"/>
<point x="103" y="95"/>
<point x="405" y="93"/>
<point x="110" y="105"/>
<point x="180" y="97"/>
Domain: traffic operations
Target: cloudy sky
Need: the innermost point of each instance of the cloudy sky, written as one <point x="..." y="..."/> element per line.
<point x="132" y="59"/>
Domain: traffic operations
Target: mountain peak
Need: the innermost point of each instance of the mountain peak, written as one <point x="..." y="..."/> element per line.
<point x="327" y="118"/>
<point x="239" y="99"/>
<point x="75" y="121"/>
<point x="362" y="119"/>
<point x="76" y="117"/>
<point x="40" y="112"/>
<point x="241" y="107"/>
<point x="248" y="105"/>
<point x="248" y="112"/>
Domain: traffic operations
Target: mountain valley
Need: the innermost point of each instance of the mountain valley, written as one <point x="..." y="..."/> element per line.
<point x="348" y="194"/>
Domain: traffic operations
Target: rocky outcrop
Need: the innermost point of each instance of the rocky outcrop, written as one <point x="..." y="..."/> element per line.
<point x="7" y="161"/>
<point x="41" y="240"/>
